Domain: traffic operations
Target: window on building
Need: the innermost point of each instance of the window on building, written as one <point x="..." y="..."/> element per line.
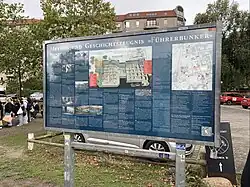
<point x="137" y="23"/>
<point x="151" y="14"/>
<point x="180" y="23"/>
<point x="127" y="24"/>
<point x="165" y="22"/>
<point x="1" y="79"/>
<point x="151" y="22"/>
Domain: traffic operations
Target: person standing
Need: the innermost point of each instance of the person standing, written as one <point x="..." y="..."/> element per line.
<point x="16" y="106"/>
<point x="29" y="108"/>
<point x="9" y="111"/>
<point x="25" y="115"/>
<point x="19" y="107"/>
<point x="1" y="108"/>
<point x="9" y="107"/>
<point x="36" y="108"/>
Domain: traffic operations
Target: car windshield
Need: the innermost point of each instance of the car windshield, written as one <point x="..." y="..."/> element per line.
<point x="237" y="95"/>
<point x="247" y="96"/>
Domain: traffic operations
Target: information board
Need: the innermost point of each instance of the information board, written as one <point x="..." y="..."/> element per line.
<point x="162" y="84"/>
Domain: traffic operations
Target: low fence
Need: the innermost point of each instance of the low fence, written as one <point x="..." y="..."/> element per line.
<point x="132" y="152"/>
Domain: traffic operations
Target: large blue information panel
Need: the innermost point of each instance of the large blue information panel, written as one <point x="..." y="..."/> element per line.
<point x="160" y="84"/>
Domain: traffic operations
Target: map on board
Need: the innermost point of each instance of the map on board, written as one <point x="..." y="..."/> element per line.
<point x="192" y="65"/>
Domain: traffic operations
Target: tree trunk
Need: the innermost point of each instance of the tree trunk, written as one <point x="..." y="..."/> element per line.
<point x="20" y="79"/>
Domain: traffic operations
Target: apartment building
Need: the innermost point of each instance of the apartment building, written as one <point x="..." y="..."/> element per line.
<point x="138" y="21"/>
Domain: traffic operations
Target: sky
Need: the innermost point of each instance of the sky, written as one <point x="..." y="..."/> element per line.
<point x="191" y="7"/>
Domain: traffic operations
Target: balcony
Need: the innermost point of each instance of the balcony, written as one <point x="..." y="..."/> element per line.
<point x="152" y="24"/>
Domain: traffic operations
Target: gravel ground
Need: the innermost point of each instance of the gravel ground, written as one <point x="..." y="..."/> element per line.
<point x="239" y="119"/>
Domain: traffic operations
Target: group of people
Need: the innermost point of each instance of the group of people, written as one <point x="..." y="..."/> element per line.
<point x="17" y="112"/>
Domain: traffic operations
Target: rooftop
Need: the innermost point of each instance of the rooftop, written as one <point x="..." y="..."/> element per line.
<point x="141" y="15"/>
<point x="147" y="14"/>
<point x="25" y="22"/>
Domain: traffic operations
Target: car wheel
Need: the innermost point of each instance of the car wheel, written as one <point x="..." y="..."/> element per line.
<point x="157" y="146"/>
<point x="229" y="102"/>
<point x="245" y="107"/>
<point x="79" y="138"/>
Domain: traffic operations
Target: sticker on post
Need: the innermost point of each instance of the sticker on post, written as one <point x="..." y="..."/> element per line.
<point x="206" y="131"/>
<point x="67" y="137"/>
<point x="183" y="157"/>
<point x="164" y="155"/>
<point x="180" y="146"/>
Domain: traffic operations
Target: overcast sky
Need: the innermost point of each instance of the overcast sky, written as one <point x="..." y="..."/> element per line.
<point x="191" y="7"/>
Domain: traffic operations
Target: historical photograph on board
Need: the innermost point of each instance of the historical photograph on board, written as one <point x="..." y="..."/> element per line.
<point x="68" y="110"/>
<point x="67" y="100"/>
<point x="89" y="110"/>
<point x="68" y="68"/>
<point x="81" y="66"/>
<point x="192" y="66"/>
<point x="143" y="92"/>
<point x="81" y="86"/>
<point x="67" y="57"/>
<point x="81" y="56"/>
<point x="121" y="68"/>
<point x="54" y="71"/>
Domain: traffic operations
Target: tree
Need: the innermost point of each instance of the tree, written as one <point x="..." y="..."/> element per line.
<point x="72" y="18"/>
<point x="21" y="49"/>
<point x="19" y="57"/>
<point x="235" y="66"/>
<point x="18" y="48"/>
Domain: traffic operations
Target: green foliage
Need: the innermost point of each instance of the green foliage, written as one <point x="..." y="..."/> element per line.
<point x="21" y="45"/>
<point x="72" y="18"/>
<point x="235" y="41"/>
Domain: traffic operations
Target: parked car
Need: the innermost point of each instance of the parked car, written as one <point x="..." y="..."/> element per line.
<point x="37" y="96"/>
<point x="153" y="145"/>
<point x="245" y="103"/>
<point x="3" y="97"/>
<point x="231" y="98"/>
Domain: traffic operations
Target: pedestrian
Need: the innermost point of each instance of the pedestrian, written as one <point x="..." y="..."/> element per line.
<point x="20" y="112"/>
<point x="9" y="111"/>
<point x="36" y="109"/>
<point x="1" y="108"/>
<point x="42" y="110"/>
<point x="25" y="115"/>
<point x="29" y="109"/>
<point x="16" y="107"/>
<point x="245" y="177"/>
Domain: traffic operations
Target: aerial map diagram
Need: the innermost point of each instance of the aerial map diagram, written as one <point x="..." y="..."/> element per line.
<point x="123" y="67"/>
<point x="192" y="66"/>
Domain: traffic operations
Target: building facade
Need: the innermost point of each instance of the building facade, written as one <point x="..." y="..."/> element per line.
<point x="138" y="21"/>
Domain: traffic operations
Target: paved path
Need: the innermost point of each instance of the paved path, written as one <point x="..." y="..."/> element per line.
<point x="239" y="119"/>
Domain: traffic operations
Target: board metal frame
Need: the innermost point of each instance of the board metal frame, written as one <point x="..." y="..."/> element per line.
<point x="217" y="90"/>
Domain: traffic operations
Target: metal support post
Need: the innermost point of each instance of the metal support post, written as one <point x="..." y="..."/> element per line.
<point x="180" y="176"/>
<point x="69" y="160"/>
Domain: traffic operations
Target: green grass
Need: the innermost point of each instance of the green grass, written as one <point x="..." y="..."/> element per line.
<point x="91" y="169"/>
